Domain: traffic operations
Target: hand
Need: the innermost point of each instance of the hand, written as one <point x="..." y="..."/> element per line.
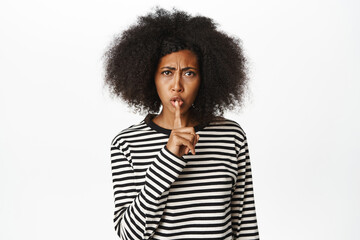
<point x="182" y="139"/>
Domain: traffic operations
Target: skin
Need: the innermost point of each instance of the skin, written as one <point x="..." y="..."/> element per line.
<point x="178" y="74"/>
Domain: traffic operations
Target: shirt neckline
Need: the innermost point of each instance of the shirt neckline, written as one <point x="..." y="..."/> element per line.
<point x="154" y="126"/>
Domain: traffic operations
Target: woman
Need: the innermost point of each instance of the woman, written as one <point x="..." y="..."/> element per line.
<point x="184" y="173"/>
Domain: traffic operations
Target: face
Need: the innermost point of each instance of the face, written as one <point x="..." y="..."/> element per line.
<point x="178" y="78"/>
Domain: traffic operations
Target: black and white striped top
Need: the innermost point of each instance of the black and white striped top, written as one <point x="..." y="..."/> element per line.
<point x="158" y="195"/>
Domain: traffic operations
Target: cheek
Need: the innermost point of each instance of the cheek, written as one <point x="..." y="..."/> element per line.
<point x="196" y="88"/>
<point x="159" y="89"/>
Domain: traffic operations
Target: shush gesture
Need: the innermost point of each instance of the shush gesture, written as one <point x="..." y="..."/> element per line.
<point x="182" y="139"/>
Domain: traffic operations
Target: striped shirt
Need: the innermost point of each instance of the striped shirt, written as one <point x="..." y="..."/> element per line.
<point x="159" y="195"/>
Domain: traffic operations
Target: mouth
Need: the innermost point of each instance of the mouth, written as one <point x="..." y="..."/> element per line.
<point x="178" y="99"/>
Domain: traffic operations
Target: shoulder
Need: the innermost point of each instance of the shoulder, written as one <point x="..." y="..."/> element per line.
<point x="129" y="132"/>
<point x="227" y="128"/>
<point x="226" y="124"/>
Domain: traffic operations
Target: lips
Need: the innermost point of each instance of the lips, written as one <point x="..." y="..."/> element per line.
<point x="178" y="99"/>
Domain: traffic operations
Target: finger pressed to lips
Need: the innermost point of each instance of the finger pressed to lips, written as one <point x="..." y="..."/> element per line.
<point x="177" y="120"/>
<point x="178" y="102"/>
<point x="186" y="135"/>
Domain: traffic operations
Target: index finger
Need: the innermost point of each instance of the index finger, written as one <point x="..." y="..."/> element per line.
<point x="177" y="120"/>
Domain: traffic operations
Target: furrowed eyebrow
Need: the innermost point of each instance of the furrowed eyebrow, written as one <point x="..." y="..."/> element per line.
<point x="184" y="69"/>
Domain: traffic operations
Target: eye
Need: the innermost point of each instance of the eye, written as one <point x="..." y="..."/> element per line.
<point x="166" y="72"/>
<point x="191" y="73"/>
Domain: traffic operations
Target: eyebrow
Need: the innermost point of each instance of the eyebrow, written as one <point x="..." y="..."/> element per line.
<point x="184" y="69"/>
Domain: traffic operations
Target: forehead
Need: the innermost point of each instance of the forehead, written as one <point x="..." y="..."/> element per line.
<point x="183" y="57"/>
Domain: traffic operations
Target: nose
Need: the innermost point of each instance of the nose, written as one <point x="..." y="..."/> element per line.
<point x="177" y="86"/>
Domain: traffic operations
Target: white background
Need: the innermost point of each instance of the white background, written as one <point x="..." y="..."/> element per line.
<point x="301" y="117"/>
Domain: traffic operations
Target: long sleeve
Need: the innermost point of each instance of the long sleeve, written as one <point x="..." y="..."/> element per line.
<point x="138" y="210"/>
<point x="244" y="222"/>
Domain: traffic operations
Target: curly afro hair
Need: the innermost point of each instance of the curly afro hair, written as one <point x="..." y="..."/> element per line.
<point x="132" y="58"/>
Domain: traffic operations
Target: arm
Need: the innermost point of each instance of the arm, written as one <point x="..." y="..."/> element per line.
<point x="243" y="217"/>
<point x="138" y="212"/>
